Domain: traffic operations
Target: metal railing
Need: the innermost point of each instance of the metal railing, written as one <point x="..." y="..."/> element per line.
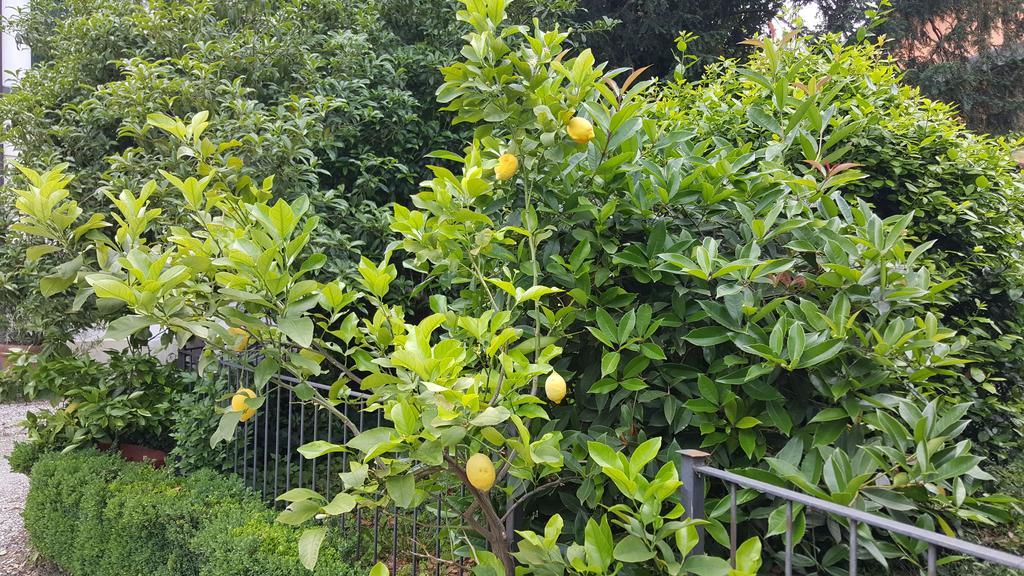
<point x="695" y="469"/>
<point x="264" y="456"/>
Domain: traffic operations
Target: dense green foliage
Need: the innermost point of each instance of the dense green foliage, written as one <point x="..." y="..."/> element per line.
<point x="127" y="398"/>
<point x="703" y="268"/>
<point x="645" y="29"/>
<point x="964" y="190"/>
<point x="95" y="515"/>
<point x="317" y="92"/>
<point x="967" y="52"/>
<point x="797" y="264"/>
<point x="193" y="420"/>
<point x="24" y="456"/>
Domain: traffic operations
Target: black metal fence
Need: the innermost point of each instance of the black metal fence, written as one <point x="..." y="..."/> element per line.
<point x="264" y="454"/>
<point x="426" y="539"/>
<point x="695" y="469"/>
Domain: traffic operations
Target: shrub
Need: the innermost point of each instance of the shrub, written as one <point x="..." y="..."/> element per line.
<point x="126" y="398"/>
<point x="965" y="190"/>
<point x="193" y="419"/>
<point x="95" y="515"/>
<point x="24" y="456"/>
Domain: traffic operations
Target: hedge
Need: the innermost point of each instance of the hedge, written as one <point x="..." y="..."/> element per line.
<point x="96" y="515"/>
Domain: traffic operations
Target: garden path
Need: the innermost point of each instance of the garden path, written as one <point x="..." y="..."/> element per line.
<point x="15" y="552"/>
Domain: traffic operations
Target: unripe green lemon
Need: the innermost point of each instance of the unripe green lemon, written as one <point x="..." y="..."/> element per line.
<point x="480" y="471"/>
<point x="555" y="387"/>
<point x="507" y="166"/>
<point x="580" y="130"/>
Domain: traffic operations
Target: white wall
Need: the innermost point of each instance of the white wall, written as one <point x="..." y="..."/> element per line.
<point x="15" y="58"/>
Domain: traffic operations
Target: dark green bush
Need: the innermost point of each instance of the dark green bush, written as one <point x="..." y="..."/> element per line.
<point x="24" y="456"/>
<point x="194" y="419"/>
<point x="96" y="515"/>
<point x="126" y="399"/>
<point x="964" y="189"/>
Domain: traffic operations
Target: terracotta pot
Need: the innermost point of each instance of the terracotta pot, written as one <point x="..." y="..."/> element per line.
<point x="136" y="453"/>
<point x="6" y="349"/>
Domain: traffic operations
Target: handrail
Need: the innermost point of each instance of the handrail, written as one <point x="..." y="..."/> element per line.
<point x="694" y="466"/>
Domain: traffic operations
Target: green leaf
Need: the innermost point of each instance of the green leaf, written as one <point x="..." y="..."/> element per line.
<point x="318" y="448"/>
<point x="707" y="336"/>
<point x="342" y="503"/>
<point x="748" y="557"/>
<point x="126" y="326"/>
<point x="706" y="566"/>
<point x="609" y="363"/>
<point x="644" y="453"/>
<point x="298" y="495"/>
<point x="34" y="253"/>
<point x="758" y="116"/>
<point x="490" y="416"/>
<point x="402" y="489"/>
<point x="371" y="439"/>
<point x="632" y="549"/>
<point x="298" y="329"/>
<point x="379" y="569"/>
<point x="747" y="422"/>
<point x="299" y="512"/>
<point x="830" y="415"/>
<point x="309" y="546"/>
<point x="225" y="428"/>
<point x="264" y="371"/>
<point x="603" y="455"/>
<point x="53" y="284"/>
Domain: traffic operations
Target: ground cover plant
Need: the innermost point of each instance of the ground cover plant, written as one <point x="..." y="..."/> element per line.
<point x="606" y="280"/>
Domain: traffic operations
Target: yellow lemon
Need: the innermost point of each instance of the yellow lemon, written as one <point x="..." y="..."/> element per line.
<point x="507" y="166"/>
<point x="580" y="130"/>
<point x="238" y="403"/>
<point x="243" y="342"/>
<point x="554" y="387"/>
<point x="480" y="471"/>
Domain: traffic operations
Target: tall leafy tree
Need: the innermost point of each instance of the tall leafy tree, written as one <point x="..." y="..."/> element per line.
<point x="646" y="27"/>
<point x="969" y="52"/>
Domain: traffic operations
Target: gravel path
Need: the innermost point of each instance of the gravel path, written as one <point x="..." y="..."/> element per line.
<point x="15" y="553"/>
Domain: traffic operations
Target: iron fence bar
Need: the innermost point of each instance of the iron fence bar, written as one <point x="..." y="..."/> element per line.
<point x="288" y="450"/>
<point x="437" y="539"/>
<point x="359" y="510"/>
<point x="415" y="555"/>
<point x="853" y="547"/>
<point x="376" y="533"/>
<point x="789" y="538"/>
<point x="266" y="450"/>
<point x="851" y="514"/>
<point x="330" y="440"/>
<point x="732" y="525"/>
<point x="312" y="464"/>
<point x="932" y="555"/>
<point x="302" y="438"/>
<point x="394" y="540"/>
<point x="277" y="435"/>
